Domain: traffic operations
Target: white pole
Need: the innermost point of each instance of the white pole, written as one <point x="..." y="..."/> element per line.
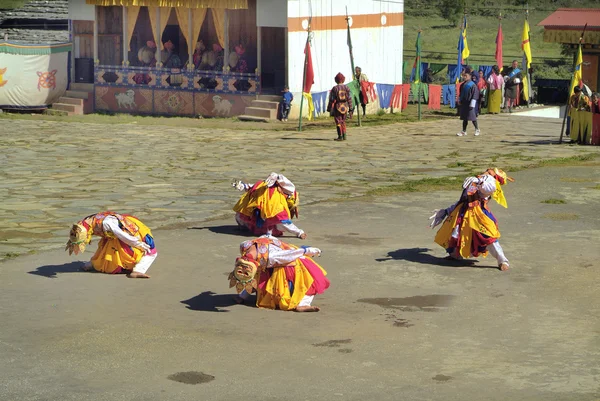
<point x="191" y="41"/>
<point x="125" y="38"/>
<point x="96" y="60"/>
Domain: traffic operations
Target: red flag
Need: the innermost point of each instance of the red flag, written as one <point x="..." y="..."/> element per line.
<point x="499" y="39"/>
<point x="309" y="79"/>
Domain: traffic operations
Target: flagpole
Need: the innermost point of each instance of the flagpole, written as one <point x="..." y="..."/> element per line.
<point x="352" y="65"/>
<point x="463" y="24"/>
<point x="304" y="74"/>
<point x="529" y="86"/>
<point x="567" y="109"/>
<point x="419" y="77"/>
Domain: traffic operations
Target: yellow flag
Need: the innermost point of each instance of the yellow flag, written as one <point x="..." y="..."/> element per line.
<point x="525" y="45"/>
<point x="311" y="105"/>
<point x="577" y="76"/>
<point x="465" y="53"/>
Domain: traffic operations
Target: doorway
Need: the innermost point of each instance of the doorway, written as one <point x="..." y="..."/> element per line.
<point x="273" y="59"/>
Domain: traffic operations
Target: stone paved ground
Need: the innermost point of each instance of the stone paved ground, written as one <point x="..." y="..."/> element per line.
<point x="55" y="173"/>
<point x="398" y="322"/>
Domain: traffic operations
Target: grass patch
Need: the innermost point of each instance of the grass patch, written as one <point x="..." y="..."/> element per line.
<point x="561" y="216"/>
<point x="422" y="185"/>
<point x="11" y="4"/>
<point x="459" y="164"/>
<point x="559" y="161"/>
<point x="596" y="187"/>
<point x="553" y="201"/>
<point x="568" y="161"/>
<point x="410" y="114"/>
<point x="11" y="255"/>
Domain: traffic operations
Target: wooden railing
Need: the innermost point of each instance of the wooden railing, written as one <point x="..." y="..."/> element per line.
<point x="177" y="79"/>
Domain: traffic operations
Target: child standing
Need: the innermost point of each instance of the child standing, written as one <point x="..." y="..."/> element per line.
<point x="286" y="103"/>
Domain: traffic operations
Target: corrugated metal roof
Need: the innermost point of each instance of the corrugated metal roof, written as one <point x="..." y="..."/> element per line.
<point x="573" y="18"/>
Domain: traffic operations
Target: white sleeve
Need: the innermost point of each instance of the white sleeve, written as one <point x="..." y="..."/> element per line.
<point x="291" y="228"/>
<point x="487" y="185"/>
<point x="111" y="224"/>
<point x="280" y="257"/>
<point x="473" y="103"/>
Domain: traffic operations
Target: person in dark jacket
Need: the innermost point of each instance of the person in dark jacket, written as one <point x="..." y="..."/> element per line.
<point x="467" y="103"/>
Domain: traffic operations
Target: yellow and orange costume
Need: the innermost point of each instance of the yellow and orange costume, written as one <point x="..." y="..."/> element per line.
<point x="126" y="243"/>
<point x="268" y="206"/>
<point x="469" y="228"/>
<point x="283" y="275"/>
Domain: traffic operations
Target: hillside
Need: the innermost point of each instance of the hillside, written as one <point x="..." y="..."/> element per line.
<point x="439" y="37"/>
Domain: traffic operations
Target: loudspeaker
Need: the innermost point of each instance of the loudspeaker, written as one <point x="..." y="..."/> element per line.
<point x="84" y="70"/>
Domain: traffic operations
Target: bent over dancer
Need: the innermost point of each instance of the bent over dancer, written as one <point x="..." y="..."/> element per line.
<point x="470" y="228"/>
<point x="126" y="244"/>
<point x="282" y="275"/>
<point x="268" y="206"/>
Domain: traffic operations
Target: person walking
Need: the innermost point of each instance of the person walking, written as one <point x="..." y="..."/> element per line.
<point x="340" y="105"/>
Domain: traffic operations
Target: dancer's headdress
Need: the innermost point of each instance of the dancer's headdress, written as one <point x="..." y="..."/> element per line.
<point x="79" y="237"/>
<point x="243" y="275"/>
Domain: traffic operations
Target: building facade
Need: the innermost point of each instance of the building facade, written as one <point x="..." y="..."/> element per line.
<point x="214" y="57"/>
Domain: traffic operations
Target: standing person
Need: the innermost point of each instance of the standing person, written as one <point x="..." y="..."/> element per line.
<point x="579" y="100"/>
<point x="126" y="244"/>
<point x="495" y="82"/>
<point x="482" y="86"/>
<point x="512" y="79"/>
<point x="286" y="103"/>
<point x="470" y="228"/>
<point x="595" y="102"/>
<point x="467" y="103"/>
<point x="339" y="106"/>
<point x="268" y="206"/>
<point x="284" y="276"/>
<point x="360" y="77"/>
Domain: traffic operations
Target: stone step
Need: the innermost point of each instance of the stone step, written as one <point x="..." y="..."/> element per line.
<point x="71" y="100"/>
<point x="260" y="112"/>
<point x="52" y="112"/>
<point x="265" y="104"/>
<point x="270" y="98"/>
<point x="244" y="117"/>
<point x="81" y="87"/>
<point x="77" y="94"/>
<point x="70" y="108"/>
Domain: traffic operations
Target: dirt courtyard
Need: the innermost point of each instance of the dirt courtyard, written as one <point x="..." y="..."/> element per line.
<point x="398" y="322"/>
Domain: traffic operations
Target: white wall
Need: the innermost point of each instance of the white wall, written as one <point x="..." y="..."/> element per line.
<point x="377" y="50"/>
<point x="271" y="13"/>
<point x="80" y="11"/>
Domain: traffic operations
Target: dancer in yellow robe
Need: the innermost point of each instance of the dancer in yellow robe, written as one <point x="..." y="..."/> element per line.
<point x="283" y="276"/>
<point x="268" y="206"/>
<point x="126" y="244"/>
<point x="469" y="228"/>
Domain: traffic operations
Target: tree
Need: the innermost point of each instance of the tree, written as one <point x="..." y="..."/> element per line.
<point x="451" y="10"/>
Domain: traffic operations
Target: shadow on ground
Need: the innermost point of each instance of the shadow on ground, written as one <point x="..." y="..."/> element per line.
<point x="420" y="255"/>
<point x="51" y="271"/>
<point x="225" y="229"/>
<point x="208" y="301"/>
<point x="307" y="139"/>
